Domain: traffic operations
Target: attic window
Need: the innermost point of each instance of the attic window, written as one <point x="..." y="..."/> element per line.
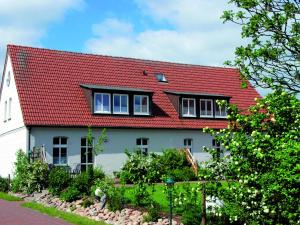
<point x="161" y="77"/>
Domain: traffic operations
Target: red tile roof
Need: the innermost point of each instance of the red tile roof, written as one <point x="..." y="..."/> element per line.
<point x="48" y="84"/>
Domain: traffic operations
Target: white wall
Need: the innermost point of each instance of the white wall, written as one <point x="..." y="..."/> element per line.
<point x="10" y="142"/>
<point x="13" y="132"/>
<point x="113" y="156"/>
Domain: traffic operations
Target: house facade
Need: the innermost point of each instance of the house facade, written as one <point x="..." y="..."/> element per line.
<point x="49" y="98"/>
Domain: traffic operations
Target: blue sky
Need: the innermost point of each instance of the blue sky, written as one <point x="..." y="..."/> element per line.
<point x="186" y="31"/>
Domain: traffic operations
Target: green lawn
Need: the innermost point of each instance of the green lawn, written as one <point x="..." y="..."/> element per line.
<point x="158" y="195"/>
<point x="69" y="217"/>
<point x="8" y="197"/>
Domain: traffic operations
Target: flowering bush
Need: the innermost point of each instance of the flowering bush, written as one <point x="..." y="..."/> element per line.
<point x="264" y="161"/>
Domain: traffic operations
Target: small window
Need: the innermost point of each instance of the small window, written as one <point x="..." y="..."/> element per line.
<point x="217" y="146"/>
<point x="143" y="145"/>
<point x="9" y="109"/>
<point x="102" y="103"/>
<point x="206" y="108"/>
<point x="188" y="107"/>
<point x="220" y="111"/>
<point x="188" y="144"/>
<point x="120" y="104"/>
<point x="60" y="146"/>
<point x="161" y="77"/>
<point x="141" y="105"/>
<point x="5" y="111"/>
<point x="87" y="156"/>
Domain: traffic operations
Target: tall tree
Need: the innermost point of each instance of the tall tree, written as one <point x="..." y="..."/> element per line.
<point x="271" y="28"/>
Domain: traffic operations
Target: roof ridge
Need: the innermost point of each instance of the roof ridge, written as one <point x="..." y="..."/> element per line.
<point x="121" y="57"/>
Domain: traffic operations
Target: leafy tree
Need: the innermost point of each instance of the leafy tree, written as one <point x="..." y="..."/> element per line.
<point x="272" y="30"/>
<point x="98" y="148"/>
<point x="262" y="172"/>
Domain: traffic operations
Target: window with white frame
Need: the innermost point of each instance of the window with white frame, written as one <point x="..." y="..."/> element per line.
<point x="143" y="145"/>
<point x="87" y="156"/>
<point x="188" y="107"/>
<point x="188" y="144"/>
<point x="141" y="105"/>
<point x="60" y="150"/>
<point x="206" y="107"/>
<point x="9" y="109"/>
<point x="102" y="103"/>
<point x="220" y="111"/>
<point x="5" y="111"/>
<point x="120" y="104"/>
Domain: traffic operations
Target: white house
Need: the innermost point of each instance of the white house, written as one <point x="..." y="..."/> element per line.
<point x="49" y="98"/>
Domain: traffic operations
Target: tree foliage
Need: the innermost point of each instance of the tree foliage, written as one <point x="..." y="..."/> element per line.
<point x="272" y="30"/>
<point x="262" y="173"/>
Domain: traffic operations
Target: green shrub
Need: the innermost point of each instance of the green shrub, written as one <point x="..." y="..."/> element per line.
<point x="99" y="174"/>
<point x="141" y="196"/>
<point x="153" y="212"/>
<point x="155" y="168"/>
<point x="29" y="177"/>
<point x="4" y="184"/>
<point x="82" y="183"/>
<point x="59" y="180"/>
<point x="192" y="216"/>
<point x="70" y="194"/>
<point x="114" y="195"/>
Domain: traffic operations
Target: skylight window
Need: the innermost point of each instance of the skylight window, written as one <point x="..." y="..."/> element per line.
<point x="161" y="77"/>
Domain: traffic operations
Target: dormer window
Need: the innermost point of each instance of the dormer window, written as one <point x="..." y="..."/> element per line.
<point x="141" y="105"/>
<point x="206" y="107"/>
<point x="161" y="77"/>
<point x="102" y="103"/>
<point x="188" y="107"/>
<point x="220" y="111"/>
<point x="120" y="104"/>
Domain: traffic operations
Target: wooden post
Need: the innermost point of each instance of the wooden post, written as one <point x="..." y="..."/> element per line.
<point x="203" y="222"/>
<point x="9" y="182"/>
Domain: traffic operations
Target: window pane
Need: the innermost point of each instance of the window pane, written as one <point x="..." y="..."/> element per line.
<point x="145" y="141"/>
<point x="83" y="155"/>
<point x="55" y="152"/>
<point x="185" y="103"/>
<point x="202" y="106"/>
<point x="83" y="167"/>
<point x="63" y="152"/>
<point x="138" y="141"/>
<point x="192" y="107"/>
<point x="209" y="108"/>
<point x="117" y="103"/>
<point x="124" y="105"/>
<point x="137" y="104"/>
<point x="98" y="102"/>
<point x="63" y="140"/>
<point x="106" y="103"/>
<point x="83" y="142"/>
<point x="55" y="160"/>
<point x="185" y="142"/>
<point x="223" y="111"/>
<point x="189" y="142"/>
<point x="144" y="104"/>
<point x="90" y="156"/>
<point x="56" y="141"/>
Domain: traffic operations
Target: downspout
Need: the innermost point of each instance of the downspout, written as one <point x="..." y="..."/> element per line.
<point x="29" y="139"/>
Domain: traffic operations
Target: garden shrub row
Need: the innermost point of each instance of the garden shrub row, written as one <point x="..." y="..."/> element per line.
<point x="155" y="168"/>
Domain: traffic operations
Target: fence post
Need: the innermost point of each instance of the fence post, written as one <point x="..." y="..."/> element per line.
<point x="203" y="222"/>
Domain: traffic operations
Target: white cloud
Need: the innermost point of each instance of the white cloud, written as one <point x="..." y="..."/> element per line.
<point x="197" y="34"/>
<point x="25" y="21"/>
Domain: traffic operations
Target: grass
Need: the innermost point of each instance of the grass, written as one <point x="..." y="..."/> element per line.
<point x="8" y="197"/>
<point x="158" y="194"/>
<point x="69" y="217"/>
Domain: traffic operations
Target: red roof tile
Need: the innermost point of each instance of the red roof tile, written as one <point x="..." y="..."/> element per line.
<point x="48" y="84"/>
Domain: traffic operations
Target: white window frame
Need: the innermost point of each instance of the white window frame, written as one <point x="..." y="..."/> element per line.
<point x="86" y="147"/>
<point x="60" y="146"/>
<point x="144" y="148"/>
<point x="120" y="97"/>
<point x="188" y="114"/>
<point x="140" y="113"/>
<point x="9" y="109"/>
<point x="219" y="111"/>
<point x="212" y="108"/>
<point x="5" y="111"/>
<point x="101" y="110"/>
<point x="186" y="145"/>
